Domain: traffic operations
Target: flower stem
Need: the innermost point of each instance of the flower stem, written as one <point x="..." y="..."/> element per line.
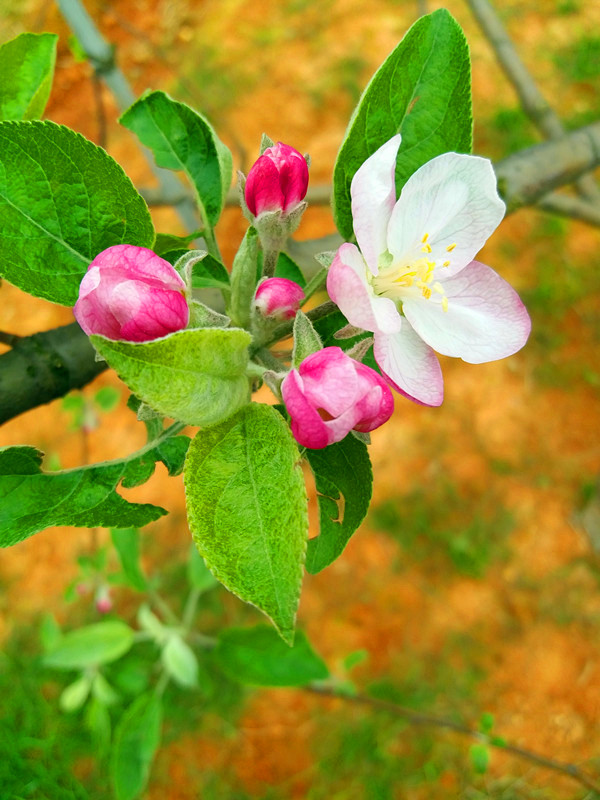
<point x="270" y="262"/>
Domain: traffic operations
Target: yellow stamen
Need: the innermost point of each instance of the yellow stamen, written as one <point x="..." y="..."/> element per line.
<point x="426" y="248"/>
<point x="451" y="247"/>
<point x="446" y="264"/>
<point x="437" y="287"/>
<point x="426" y="291"/>
<point x="445" y="303"/>
<point x="424" y="239"/>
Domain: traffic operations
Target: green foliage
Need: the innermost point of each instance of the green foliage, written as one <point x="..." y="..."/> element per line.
<point x="423" y="91"/>
<point x="31" y="500"/>
<point x="180" y="662"/>
<point x="63" y="200"/>
<point x="580" y="61"/>
<point x="182" y="139"/>
<point x="247" y="510"/>
<point x="511" y="130"/>
<point x="243" y="278"/>
<point x="137" y="737"/>
<point x="197" y="376"/>
<point x="199" y="575"/>
<point x="127" y="545"/>
<point x="26" y="72"/>
<point x="92" y="645"/>
<point x="258" y="656"/>
<point x="480" y="758"/>
<point x="344" y="481"/>
<point x="306" y="339"/>
<point x="208" y="273"/>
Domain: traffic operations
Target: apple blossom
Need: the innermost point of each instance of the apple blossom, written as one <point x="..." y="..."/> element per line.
<point x="330" y="394"/>
<point x="414" y="282"/>
<point x="132" y="294"/>
<point x="278" y="298"/>
<point x="277" y="181"/>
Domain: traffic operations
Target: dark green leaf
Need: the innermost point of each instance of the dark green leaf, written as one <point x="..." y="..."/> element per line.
<point x="258" y="656"/>
<point x="62" y="201"/>
<point x="423" y="91"/>
<point x="137" y="737"/>
<point x="286" y="267"/>
<point x="247" y="510"/>
<point x="127" y="544"/>
<point x="100" y="643"/>
<point x="197" y="376"/>
<point x="31" y="500"/>
<point x="182" y="139"/>
<point x="166" y="242"/>
<point x="26" y="71"/>
<point x="344" y="480"/>
<point x="209" y="273"/>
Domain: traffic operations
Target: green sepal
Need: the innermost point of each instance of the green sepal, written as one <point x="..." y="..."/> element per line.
<point x="306" y="340"/>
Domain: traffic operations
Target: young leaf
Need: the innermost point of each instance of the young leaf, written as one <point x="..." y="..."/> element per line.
<point x="180" y="662"/>
<point x="247" y="510"/>
<point x="95" y="644"/>
<point x="62" y="200"/>
<point x="243" y="278"/>
<point x="167" y="242"/>
<point x="197" y="376"/>
<point x="31" y="500"/>
<point x="209" y="273"/>
<point x="344" y="479"/>
<point x="127" y="545"/>
<point x="26" y="72"/>
<point x="73" y="696"/>
<point x="480" y="758"/>
<point x="199" y="575"/>
<point x="258" y="656"/>
<point x="182" y="139"/>
<point x="137" y="737"/>
<point x="423" y="91"/>
<point x="306" y="340"/>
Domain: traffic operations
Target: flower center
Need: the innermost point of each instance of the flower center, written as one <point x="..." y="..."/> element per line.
<point x="399" y="280"/>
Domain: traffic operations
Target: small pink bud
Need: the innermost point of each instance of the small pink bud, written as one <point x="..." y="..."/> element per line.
<point x="330" y="394"/>
<point x="277" y="181"/>
<point x="82" y="589"/>
<point x="132" y="294"/>
<point x="278" y="298"/>
<point x="103" y="600"/>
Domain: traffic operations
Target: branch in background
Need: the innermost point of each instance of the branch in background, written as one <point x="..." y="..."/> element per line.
<point x="45" y="366"/>
<point x="533" y="102"/>
<point x="102" y="58"/>
<point x="572" y="207"/>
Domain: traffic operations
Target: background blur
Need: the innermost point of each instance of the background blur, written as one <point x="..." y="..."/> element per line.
<point x="474" y="585"/>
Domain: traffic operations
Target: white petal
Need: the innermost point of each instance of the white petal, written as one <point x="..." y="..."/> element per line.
<point x="347" y="286"/>
<point x="485" y="321"/>
<point x="373" y="192"/>
<point x="410" y="366"/>
<point x="451" y="200"/>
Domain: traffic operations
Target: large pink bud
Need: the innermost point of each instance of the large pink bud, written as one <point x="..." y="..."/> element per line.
<point x="130" y="293"/>
<point x="277" y="181"/>
<point x="278" y="298"/>
<point x="330" y="394"/>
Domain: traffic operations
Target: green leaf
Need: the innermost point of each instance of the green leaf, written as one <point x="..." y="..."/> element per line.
<point x="26" y="72"/>
<point x="137" y="737"/>
<point x="306" y="340"/>
<point x="167" y="242"/>
<point x="199" y="575"/>
<point x="286" y="267"/>
<point x="31" y="500"/>
<point x="423" y="91"/>
<point x="344" y="480"/>
<point x="480" y="758"/>
<point x="95" y="644"/>
<point x="182" y="139"/>
<point x="243" y="278"/>
<point x="247" y="510"/>
<point x="127" y="544"/>
<point x="73" y="696"/>
<point x="197" y="376"/>
<point x="62" y="201"/>
<point x="107" y="398"/>
<point x="258" y="656"/>
<point x="209" y="273"/>
<point x="180" y="662"/>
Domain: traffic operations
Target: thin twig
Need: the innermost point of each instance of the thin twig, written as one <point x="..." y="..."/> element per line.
<point x="533" y="102"/>
<point x="430" y="720"/>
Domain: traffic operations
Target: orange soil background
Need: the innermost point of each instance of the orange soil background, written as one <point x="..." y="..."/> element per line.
<point x="542" y="677"/>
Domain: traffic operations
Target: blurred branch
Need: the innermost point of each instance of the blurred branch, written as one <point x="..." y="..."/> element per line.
<point x="533" y="102"/>
<point x="101" y="56"/>
<point x="568" y="206"/>
<point x="45" y="366"/>
<point x="430" y="720"/>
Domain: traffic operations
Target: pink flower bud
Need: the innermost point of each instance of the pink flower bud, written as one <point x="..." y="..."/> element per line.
<point x="131" y="293"/>
<point x="277" y="181"/>
<point x="279" y="298"/>
<point x="330" y="394"/>
<point x="103" y="600"/>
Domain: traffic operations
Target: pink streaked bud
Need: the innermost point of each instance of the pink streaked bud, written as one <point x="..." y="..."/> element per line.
<point x="278" y="298"/>
<point x="330" y="394"/>
<point x="103" y="600"/>
<point x="277" y="181"/>
<point x="132" y="294"/>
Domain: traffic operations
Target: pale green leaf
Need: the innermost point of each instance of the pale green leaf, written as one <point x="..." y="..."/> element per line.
<point x="247" y="510"/>
<point x="344" y="480"/>
<point x="137" y="737"/>
<point x="258" y="656"/>
<point x="62" y="201"/>
<point x="26" y="72"/>
<point x="306" y="340"/>
<point x="73" y="696"/>
<point x="95" y="644"/>
<point x="127" y="545"/>
<point x="197" y="376"/>
<point x="423" y="91"/>
<point x="180" y="662"/>
<point x="182" y="139"/>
